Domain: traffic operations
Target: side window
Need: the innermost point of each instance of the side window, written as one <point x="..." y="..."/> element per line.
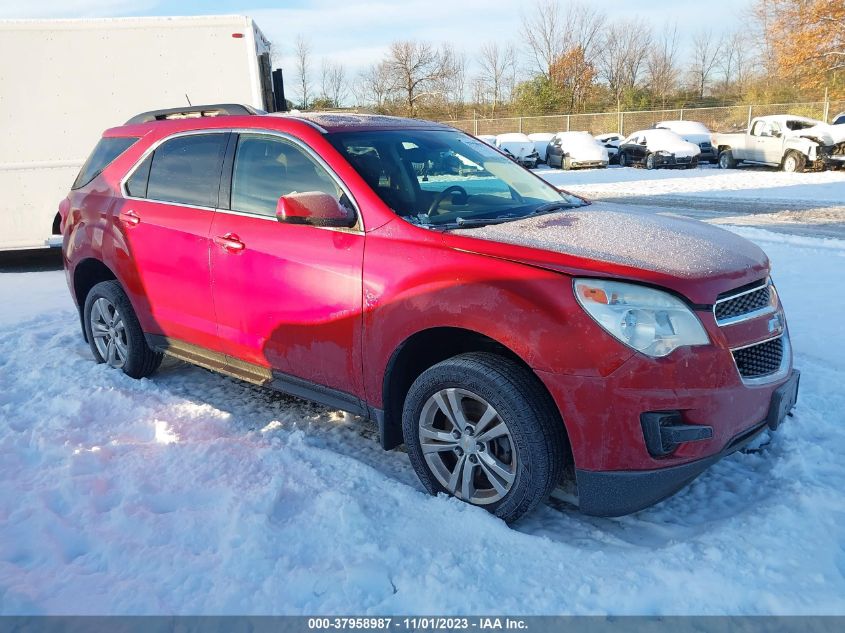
<point x="136" y="186"/>
<point x="758" y="128"/>
<point x="104" y="153"/>
<point x="267" y="168"/>
<point x="186" y="170"/>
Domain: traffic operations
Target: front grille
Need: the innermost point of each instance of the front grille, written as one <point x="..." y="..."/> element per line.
<point x="760" y="360"/>
<point x="743" y="304"/>
<point x="705" y="145"/>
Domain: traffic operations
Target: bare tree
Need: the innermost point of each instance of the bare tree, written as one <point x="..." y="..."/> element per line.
<point x="452" y="83"/>
<point x="622" y="60"/>
<point x="706" y="50"/>
<point x="661" y="63"/>
<point x="302" y="51"/>
<point x="736" y="61"/>
<point x="497" y="65"/>
<point x="415" y="68"/>
<point x="541" y="28"/>
<point x="333" y="83"/>
<point x="551" y="33"/>
<point x="375" y="85"/>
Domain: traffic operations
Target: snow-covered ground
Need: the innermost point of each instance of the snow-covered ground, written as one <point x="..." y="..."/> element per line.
<point x="825" y="188"/>
<point x="194" y="493"/>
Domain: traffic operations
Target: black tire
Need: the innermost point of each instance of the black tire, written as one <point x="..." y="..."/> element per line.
<point x="537" y="438"/>
<point x="140" y="361"/>
<point x="693" y="164"/>
<point x="623" y="159"/>
<point x="794" y="162"/>
<point x="726" y="159"/>
<point x="650" y="162"/>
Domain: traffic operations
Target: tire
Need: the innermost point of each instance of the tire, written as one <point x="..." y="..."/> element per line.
<point x="548" y="162"/>
<point x="623" y="159"/>
<point x="565" y="164"/>
<point x="528" y="451"/>
<point x="693" y="164"/>
<point x="120" y="341"/>
<point x="726" y="160"/>
<point x="794" y="162"/>
<point x="649" y="162"/>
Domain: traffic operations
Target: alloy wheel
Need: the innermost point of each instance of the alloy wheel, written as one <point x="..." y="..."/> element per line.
<point x="467" y="446"/>
<point x="109" y="332"/>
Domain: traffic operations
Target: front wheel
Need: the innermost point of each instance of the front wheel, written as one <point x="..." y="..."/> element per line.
<point x="726" y="160"/>
<point x="794" y="162"/>
<point x="114" y="334"/>
<point x="650" y="162"/>
<point x="481" y="428"/>
<point x="623" y="159"/>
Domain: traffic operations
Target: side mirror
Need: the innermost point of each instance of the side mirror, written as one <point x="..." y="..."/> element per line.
<point x="643" y="142"/>
<point x="314" y="208"/>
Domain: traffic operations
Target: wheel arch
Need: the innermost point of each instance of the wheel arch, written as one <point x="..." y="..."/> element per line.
<point x="426" y="348"/>
<point x="87" y="274"/>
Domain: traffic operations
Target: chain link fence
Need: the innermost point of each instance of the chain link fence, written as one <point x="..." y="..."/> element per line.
<point x="718" y="119"/>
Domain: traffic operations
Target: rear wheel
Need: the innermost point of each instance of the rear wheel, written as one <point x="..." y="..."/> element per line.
<point x="481" y="428"/>
<point x="114" y="334"/>
<point x="794" y="162"/>
<point x="623" y="159"/>
<point x="726" y="159"/>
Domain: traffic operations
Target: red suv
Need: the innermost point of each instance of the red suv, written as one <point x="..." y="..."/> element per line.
<point x="508" y="333"/>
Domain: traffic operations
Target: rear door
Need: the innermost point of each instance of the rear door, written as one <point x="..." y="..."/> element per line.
<point x="166" y="219"/>
<point x="288" y="297"/>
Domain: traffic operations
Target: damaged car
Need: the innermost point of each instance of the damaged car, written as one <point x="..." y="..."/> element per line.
<point x="792" y="143"/>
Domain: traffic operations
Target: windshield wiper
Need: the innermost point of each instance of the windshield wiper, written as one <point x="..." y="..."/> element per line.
<point x="550" y="207"/>
<point x="483" y="221"/>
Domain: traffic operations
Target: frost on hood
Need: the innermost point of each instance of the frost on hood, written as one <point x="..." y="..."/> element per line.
<point x="614" y="234"/>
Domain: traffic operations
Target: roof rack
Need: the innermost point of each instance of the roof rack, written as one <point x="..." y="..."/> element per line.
<point x="217" y="109"/>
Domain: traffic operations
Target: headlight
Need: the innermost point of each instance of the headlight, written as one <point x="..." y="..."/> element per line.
<point x="650" y="321"/>
<point x="663" y="152"/>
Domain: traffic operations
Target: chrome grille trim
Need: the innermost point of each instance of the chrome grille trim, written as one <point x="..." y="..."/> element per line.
<point x="770" y="307"/>
<point x="777" y="374"/>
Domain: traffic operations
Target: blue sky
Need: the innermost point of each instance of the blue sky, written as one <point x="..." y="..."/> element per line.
<point x="356" y="33"/>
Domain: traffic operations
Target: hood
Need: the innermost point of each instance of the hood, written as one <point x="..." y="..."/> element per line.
<point x="517" y="148"/>
<point x="679" y="147"/>
<point x="586" y="151"/>
<point x="823" y="134"/>
<point x="637" y="244"/>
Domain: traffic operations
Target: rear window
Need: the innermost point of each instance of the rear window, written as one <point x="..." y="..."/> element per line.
<point x="104" y="153"/>
<point x="186" y="170"/>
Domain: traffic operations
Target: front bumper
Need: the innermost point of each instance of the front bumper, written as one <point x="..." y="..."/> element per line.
<point x="616" y="493"/>
<point x="672" y="161"/>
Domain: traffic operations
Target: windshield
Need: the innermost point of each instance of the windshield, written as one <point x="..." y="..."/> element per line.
<point x="439" y="178"/>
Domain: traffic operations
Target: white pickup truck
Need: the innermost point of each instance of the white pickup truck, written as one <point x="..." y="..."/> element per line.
<point x="789" y="142"/>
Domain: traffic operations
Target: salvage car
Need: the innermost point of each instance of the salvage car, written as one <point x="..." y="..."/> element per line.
<point x="839" y="119"/>
<point x="655" y="149"/>
<point x="508" y="333"/>
<point x="792" y="143"/>
<point x="694" y="132"/>
<point x="574" y="150"/>
<point x="541" y="142"/>
<point x="519" y="148"/>
<point x="611" y="143"/>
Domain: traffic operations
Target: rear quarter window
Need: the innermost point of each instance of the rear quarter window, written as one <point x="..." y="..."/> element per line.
<point x="104" y="153"/>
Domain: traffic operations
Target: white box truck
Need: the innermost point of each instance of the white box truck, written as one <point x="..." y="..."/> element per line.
<point x="62" y="82"/>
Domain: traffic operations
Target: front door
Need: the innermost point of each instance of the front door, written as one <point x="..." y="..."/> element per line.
<point x="166" y="220"/>
<point x="287" y="296"/>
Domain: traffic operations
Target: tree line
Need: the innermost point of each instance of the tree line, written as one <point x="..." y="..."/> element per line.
<point x="579" y="59"/>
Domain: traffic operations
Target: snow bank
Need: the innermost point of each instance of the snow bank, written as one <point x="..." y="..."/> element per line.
<point x="192" y="493"/>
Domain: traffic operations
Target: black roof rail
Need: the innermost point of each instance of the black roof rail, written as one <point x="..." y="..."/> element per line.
<point x="217" y="109"/>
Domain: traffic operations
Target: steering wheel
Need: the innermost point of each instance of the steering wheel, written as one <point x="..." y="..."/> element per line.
<point x="440" y="197"/>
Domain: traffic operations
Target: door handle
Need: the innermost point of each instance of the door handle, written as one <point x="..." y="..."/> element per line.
<point x="130" y="217"/>
<point x="230" y="242"/>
